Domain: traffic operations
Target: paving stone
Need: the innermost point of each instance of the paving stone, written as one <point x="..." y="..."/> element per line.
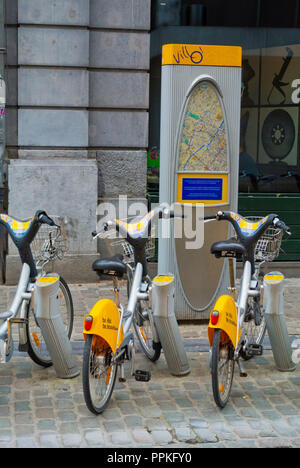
<point x="141" y="436"/>
<point x="5" y="435"/>
<point x="286" y="410"/>
<point x="43" y="403"/>
<point x="49" y="441"/>
<point x="69" y="428"/>
<point x="4" y="423"/>
<point x="121" y="438"/>
<point x="198" y="423"/>
<point x="94" y="438"/>
<point x="114" y="426"/>
<point x="22" y="406"/>
<point x="272" y="415"/>
<point x="284" y="429"/>
<point x="67" y="415"/>
<point x="134" y="421"/>
<point x="71" y="440"/>
<point x="174" y="416"/>
<point x="23" y="418"/>
<point x="64" y="404"/>
<point x="185" y="434"/>
<point x="205" y="436"/>
<point x="126" y="407"/>
<point x="274" y="443"/>
<point x="156" y="424"/>
<point x="151" y="412"/>
<point x="242" y="444"/>
<point x="162" y="437"/>
<point x="26" y="442"/>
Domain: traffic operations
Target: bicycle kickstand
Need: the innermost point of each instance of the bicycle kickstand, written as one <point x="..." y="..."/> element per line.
<point x="241" y="368"/>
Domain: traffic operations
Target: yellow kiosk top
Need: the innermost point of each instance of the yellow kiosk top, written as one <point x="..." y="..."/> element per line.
<point x="205" y="55"/>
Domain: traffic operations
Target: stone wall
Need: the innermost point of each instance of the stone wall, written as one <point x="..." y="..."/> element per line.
<point x="78" y="90"/>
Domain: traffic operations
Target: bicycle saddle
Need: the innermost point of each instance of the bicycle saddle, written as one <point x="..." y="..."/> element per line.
<point x="110" y="266"/>
<point x="228" y="248"/>
<point x="136" y="230"/>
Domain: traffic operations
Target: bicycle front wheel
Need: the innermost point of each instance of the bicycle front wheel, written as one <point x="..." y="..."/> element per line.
<point x="255" y="328"/>
<point x="37" y="348"/>
<point x="143" y="326"/>
<point x="222" y="368"/>
<point x="98" y="373"/>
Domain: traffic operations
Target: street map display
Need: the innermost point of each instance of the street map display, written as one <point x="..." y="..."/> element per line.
<point x="203" y="145"/>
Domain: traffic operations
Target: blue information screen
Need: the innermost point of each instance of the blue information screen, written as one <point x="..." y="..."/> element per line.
<point x="202" y="189"/>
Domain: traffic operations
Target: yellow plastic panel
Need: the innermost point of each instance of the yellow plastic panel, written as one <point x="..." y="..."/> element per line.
<point x="191" y="54"/>
<point x="106" y="320"/>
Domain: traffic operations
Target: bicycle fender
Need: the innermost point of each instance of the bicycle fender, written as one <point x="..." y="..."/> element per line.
<point x="227" y="321"/>
<point x="106" y="321"/>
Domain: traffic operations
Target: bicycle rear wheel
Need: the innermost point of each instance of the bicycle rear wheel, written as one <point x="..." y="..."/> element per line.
<point x="37" y="348"/>
<point x="222" y="368"/>
<point x="98" y="373"/>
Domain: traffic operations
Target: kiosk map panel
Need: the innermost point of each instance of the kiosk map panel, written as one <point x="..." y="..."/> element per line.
<point x="203" y="145"/>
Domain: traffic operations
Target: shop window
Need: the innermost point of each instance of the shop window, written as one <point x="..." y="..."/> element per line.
<point x="269" y="135"/>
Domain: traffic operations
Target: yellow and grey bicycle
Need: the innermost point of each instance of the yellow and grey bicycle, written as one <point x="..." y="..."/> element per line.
<point x="109" y="341"/>
<point x="39" y="240"/>
<point x="237" y="327"/>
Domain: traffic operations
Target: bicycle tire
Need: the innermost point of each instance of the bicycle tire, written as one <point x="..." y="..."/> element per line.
<point x="36" y="346"/>
<point x="143" y="329"/>
<point x="257" y="337"/>
<point x="221" y="388"/>
<point x="97" y="351"/>
<point x="144" y="335"/>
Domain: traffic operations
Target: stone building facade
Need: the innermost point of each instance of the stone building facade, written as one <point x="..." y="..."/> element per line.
<point x="77" y="76"/>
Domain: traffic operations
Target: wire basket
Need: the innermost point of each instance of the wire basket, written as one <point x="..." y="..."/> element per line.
<point x="117" y="244"/>
<point x="50" y="243"/>
<point x="123" y="246"/>
<point x="268" y="245"/>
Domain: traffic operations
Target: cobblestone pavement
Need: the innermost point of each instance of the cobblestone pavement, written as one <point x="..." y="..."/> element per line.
<point x="39" y="410"/>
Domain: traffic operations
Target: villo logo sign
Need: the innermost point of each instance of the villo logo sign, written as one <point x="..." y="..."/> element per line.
<point x="296" y="92"/>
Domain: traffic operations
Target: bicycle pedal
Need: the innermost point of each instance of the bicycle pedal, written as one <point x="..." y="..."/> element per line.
<point x="254" y="350"/>
<point x="142" y="376"/>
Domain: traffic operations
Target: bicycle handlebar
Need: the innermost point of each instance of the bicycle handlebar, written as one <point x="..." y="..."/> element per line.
<point x="45" y="219"/>
<point x="221" y="216"/>
<point x="104" y="227"/>
<point x="160" y="213"/>
<point x="281" y="225"/>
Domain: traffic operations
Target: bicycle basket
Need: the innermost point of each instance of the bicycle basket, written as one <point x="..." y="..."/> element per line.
<point x="117" y="244"/>
<point x="268" y="245"/>
<point x="50" y="243"/>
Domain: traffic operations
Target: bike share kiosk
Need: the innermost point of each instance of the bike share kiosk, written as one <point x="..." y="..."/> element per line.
<point x="199" y="150"/>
